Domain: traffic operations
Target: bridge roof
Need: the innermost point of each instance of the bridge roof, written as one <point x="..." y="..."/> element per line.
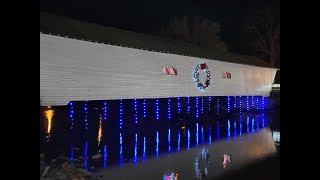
<point x="92" y="32"/>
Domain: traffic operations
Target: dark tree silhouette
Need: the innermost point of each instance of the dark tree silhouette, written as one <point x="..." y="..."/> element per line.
<point x="266" y="30"/>
<point x="200" y="31"/>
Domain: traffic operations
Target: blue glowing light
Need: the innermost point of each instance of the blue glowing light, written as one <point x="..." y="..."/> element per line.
<point x="197" y="135"/>
<point x="235" y="101"/>
<point x="178" y="140"/>
<point x="252" y="101"/>
<point x="144" y="108"/>
<point x="252" y="123"/>
<point x="240" y="104"/>
<point x="86" y="156"/>
<point x="144" y="148"/>
<point x="86" y="115"/>
<point x="169" y="138"/>
<point x="197" y="105"/>
<point x="257" y="103"/>
<point x="247" y="103"/>
<point x="235" y="129"/>
<point x="210" y="141"/>
<point x="240" y="131"/>
<point x="228" y="102"/>
<point x="121" y="161"/>
<point x="157" y="146"/>
<point x="188" y="138"/>
<point x="121" y="111"/>
<point x="179" y="105"/>
<point x="105" y="108"/>
<point x="157" y="109"/>
<point x="202" y="104"/>
<point x="105" y="156"/>
<point x="71" y="152"/>
<point x="209" y="103"/>
<point x="263" y="120"/>
<point x="188" y="105"/>
<point x="218" y="106"/>
<point x="135" y="149"/>
<point x="169" y="109"/>
<point x="135" y="111"/>
<point x="248" y="124"/>
<point x="71" y="115"/>
<point x="228" y="129"/>
<point x="202" y="136"/>
<point x="262" y="102"/>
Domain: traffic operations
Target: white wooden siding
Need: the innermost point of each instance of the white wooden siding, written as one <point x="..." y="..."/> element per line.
<point x="73" y="70"/>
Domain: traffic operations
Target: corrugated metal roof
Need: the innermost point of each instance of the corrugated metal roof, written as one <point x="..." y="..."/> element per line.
<point x="92" y="32"/>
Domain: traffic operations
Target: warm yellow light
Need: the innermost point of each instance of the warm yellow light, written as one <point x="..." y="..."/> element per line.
<point x="100" y="131"/>
<point x="49" y="114"/>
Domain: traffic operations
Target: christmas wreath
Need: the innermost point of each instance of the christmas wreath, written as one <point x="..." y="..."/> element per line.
<point x="204" y="67"/>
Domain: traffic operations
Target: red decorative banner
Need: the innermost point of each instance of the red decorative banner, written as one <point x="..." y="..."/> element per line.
<point x="226" y="75"/>
<point x="169" y="71"/>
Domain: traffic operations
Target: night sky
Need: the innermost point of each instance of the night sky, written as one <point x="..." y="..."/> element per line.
<point x="150" y="16"/>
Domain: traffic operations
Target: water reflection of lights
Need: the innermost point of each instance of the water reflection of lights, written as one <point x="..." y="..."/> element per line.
<point x="226" y="161"/>
<point x="86" y="156"/>
<point x="188" y="138"/>
<point x="157" y="141"/>
<point x="100" y="130"/>
<point x="201" y="164"/>
<point x="49" y="114"/>
<point x="135" y="149"/>
<point x="170" y="176"/>
<point x="105" y="156"/>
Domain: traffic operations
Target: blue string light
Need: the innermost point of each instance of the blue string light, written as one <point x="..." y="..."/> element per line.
<point x="169" y="109"/>
<point x="209" y="103"/>
<point x="240" y="104"/>
<point x="247" y="103"/>
<point x="218" y="106"/>
<point x="252" y="101"/>
<point x="188" y="104"/>
<point x="197" y="105"/>
<point x="202" y="104"/>
<point x="135" y="111"/>
<point x="228" y="102"/>
<point x="157" y="109"/>
<point x="86" y="115"/>
<point x="257" y="103"/>
<point x="179" y="105"/>
<point x="71" y="115"/>
<point x="144" y="108"/>
<point x="121" y="112"/>
<point x="105" y="108"/>
<point x="235" y="101"/>
<point x="262" y="102"/>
